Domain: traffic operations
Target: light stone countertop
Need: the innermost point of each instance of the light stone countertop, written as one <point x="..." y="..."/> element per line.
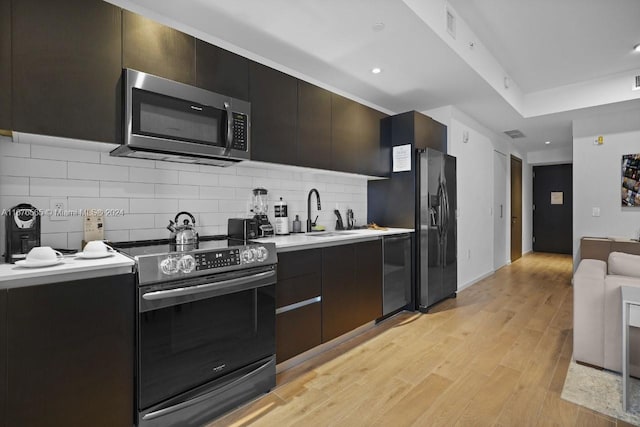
<point x="73" y="268"/>
<point x="299" y="241"/>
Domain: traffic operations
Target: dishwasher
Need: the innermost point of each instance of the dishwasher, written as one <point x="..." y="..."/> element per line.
<point x="396" y="293"/>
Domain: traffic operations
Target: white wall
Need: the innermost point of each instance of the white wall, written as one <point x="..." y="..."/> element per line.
<point x="552" y="156"/>
<point x="150" y="193"/>
<point x="597" y="176"/>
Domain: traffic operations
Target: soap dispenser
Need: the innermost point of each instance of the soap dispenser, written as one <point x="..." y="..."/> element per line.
<point x="297" y="225"/>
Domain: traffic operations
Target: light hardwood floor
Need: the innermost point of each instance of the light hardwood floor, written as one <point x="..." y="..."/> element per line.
<point x="497" y="355"/>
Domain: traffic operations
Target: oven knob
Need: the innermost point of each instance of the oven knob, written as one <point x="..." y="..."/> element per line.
<point x="187" y="264"/>
<point x="169" y="265"/>
<point x="247" y="256"/>
<point x="262" y="254"/>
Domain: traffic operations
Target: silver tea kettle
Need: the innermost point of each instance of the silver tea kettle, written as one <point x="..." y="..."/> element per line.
<point x="185" y="233"/>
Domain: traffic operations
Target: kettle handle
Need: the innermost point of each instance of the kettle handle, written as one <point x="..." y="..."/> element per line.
<point x="193" y="220"/>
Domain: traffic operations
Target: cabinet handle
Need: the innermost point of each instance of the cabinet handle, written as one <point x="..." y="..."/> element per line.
<point x="298" y="305"/>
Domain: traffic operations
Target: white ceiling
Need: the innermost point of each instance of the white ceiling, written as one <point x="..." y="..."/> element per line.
<point x="540" y="44"/>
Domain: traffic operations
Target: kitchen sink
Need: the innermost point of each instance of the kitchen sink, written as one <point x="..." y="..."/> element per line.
<point x="329" y="234"/>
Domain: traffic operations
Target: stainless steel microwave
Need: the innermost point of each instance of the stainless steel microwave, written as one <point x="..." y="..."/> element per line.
<point x="171" y="121"/>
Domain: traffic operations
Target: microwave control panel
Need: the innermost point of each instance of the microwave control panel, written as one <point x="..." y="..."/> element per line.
<point x="239" y="141"/>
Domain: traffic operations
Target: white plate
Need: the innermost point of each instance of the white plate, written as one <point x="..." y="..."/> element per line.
<point x="89" y="255"/>
<point x="36" y="264"/>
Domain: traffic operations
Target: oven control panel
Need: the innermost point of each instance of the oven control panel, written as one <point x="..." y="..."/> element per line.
<point x="218" y="259"/>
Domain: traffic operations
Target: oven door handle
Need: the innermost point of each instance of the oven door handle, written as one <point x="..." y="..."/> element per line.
<point x="227" y="286"/>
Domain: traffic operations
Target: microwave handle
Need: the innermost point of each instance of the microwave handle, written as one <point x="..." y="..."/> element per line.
<point x="229" y="135"/>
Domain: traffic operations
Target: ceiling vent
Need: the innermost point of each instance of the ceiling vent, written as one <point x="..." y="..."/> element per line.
<point x="451" y="23"/>
<point x="515" y="133"/>
<point x="636" y="86"/>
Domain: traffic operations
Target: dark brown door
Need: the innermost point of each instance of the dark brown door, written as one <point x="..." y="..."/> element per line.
<point x="5" y="66"/>
<point x="274" y="111"/>
<point x="221" y="71"/>
<point x="552" y="215"/>
<point x="516" y="208"/>
<point x="314" y="126"/>
<point x="156" y="49"/>
<point x="67" y="63"/>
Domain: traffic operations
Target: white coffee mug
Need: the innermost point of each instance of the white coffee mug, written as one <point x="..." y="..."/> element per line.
<point x="43" y="253"/>
<point x="96" y="247"/>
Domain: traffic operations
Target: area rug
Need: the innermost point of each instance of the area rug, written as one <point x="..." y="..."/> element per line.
<point x="601" y="391"/>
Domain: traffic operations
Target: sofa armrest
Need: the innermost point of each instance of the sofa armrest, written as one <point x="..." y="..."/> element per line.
<point x="622" y="264"/>
<point x="588" y="311"/>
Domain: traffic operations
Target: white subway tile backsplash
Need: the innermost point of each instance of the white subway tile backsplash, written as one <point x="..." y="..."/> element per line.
<point x="111" y="206"/>
<point x="148" y="234"/>
<point x="63" y="187"/>
<point x="19" y="166"/>
<point x="236" y="181"/>
<point x="129" y="222"/>
<point x="173" y="191"/>
<point x="162" y="176"/>
<point x="14" y="149"/>
<point x="195" y="205"/>
<point x="197" y="178"/>
<point x="126" y="189"/>
<point x="150" y="193"/>
<point x="98" y="172"/>
<point x="68" y="154"/>
<point x="177" y="166"/>
<point x="14" y="186"/>
<point x="55" y="240"/>
<point x="107" y="159"/>
<point x="153" y="206"/>
<point x="217" y="193"/>
<point x="234" y="206"/>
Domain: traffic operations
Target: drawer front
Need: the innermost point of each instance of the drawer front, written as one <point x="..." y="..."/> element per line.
<point x="299" y="263"/>
<point x="301" y="288"/>
<point x="634" y="315"/>
<point x="298" y="331"/>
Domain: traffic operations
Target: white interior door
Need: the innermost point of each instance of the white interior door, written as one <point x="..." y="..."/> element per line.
<point x="500" y="212"/>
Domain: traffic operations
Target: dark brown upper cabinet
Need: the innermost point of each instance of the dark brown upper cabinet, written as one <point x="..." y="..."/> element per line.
<point x="355" y="138"/>
<point x="66" y="68"/>
<point x="345" y="125"/>
<point x="274" y="115"/>
<point x="157" y="49"/>
<point x="5" y="65"/>
<point x="314" y="126"/>
<point x="429" y="133"/>
<point x="221" y="71"/>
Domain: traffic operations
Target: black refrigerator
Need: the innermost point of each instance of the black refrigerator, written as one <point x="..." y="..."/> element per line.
<point x="422" y="197"/>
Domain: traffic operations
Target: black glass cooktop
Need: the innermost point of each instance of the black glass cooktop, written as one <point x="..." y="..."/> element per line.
<point x="163" y="246"/>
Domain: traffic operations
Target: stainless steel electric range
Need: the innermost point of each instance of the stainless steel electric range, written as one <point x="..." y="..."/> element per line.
<point x="205" y="329"/>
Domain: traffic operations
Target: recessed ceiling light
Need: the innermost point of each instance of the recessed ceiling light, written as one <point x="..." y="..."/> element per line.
<point x="547" y="142"/>
<point x="376" y="70"/>
<point x="636" y="48"/>
<point x="378" y="26"/>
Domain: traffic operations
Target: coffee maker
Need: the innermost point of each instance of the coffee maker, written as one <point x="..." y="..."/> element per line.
<point x="22" y="232"/>
<point x="260" y="207"/>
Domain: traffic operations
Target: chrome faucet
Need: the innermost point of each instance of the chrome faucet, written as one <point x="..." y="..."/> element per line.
<point x="310" y="224"/>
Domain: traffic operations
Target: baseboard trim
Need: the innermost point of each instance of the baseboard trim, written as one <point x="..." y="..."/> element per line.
<point x="476" y="280"/>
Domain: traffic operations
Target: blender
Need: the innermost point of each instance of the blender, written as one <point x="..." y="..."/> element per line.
<point x="260" y="207"/>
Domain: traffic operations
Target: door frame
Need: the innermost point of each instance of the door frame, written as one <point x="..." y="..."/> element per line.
<point x="516" y="208"/>
<point x="500" y="236"/>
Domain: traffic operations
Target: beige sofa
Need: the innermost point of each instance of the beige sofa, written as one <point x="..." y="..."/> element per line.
<point x="597" y="312"/>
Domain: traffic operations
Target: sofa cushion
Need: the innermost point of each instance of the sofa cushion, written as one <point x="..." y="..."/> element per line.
<point x="622" y="264"/>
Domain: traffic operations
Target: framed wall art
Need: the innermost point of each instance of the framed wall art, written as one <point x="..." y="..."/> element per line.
<point x="631" y="180"/>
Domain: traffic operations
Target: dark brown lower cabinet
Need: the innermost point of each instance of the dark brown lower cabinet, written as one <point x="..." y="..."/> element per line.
<point x="298" y="322"/>
<point x="3" y="357"/>
<point x="70" y="348"/>
<point x="351" y="287"/>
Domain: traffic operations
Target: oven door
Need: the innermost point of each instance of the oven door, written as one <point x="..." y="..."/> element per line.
<point x="196" y="331"/>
